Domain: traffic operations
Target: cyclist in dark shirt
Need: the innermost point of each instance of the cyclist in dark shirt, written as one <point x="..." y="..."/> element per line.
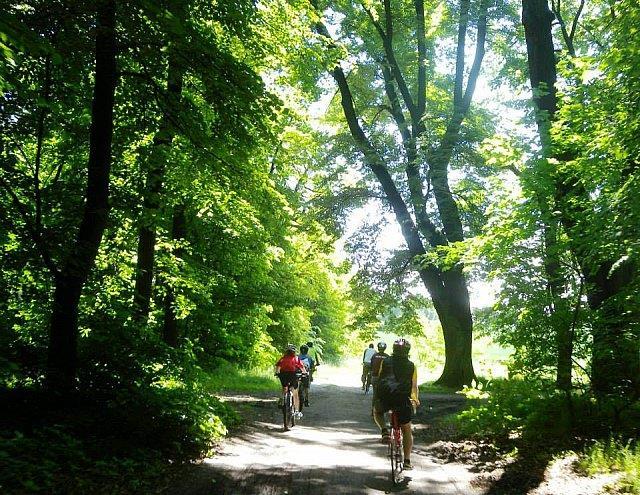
<point x="406" y="375"/>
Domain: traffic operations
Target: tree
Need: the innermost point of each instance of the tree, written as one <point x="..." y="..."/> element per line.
<point x="615" y="361"/>
<point x="394" y="51"/>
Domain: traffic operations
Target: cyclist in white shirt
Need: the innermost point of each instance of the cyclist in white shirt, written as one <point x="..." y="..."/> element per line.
<point x="366" y="363"/>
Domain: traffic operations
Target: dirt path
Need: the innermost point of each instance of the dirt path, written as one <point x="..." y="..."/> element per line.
<point x="332" y="450"/>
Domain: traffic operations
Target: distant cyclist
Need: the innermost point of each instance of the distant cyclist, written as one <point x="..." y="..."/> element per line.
<point x="398" y="391"/>
<point x="288" y="367"/>
<point x="366" y="363"/>
<point x="310" y="364"/>
<point x="313" y="352"/>
<point x="376" y="364"/>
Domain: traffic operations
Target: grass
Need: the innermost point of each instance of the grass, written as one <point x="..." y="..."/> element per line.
<point x="614" y="456"/>
<point x="231" y="378"/>
<point x="433" y="388"/>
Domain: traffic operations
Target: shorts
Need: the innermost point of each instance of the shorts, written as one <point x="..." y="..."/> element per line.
<point x="405" y="412"/>
<point x="305" y="380"/>
<point x="289" y="378"/>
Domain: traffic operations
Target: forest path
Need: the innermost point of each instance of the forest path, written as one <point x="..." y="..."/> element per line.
<point x="334" y="449"/>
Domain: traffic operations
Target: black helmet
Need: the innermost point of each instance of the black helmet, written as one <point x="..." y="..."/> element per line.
<point x="304" y="348"/>
<point x="401" y="347"/>
<point x="381" y="346"/>
<point x="291" y="349"/>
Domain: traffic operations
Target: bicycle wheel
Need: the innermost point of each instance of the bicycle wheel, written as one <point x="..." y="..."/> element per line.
<point x="302" y="391"/>
<point x="399" y="459"/>
<point x="287" y="407"/>
<point x="396" y="456"/>
<point x="368" y="383"/>
<point x="292" y="416"/>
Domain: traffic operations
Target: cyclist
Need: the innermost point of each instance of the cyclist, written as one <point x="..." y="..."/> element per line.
<point x="288" y="368"/>
<point x="366" y="363"/>
<point x="314" y="354"/>
<point x="398" y="367"/>
<point x="376" y="364"/>
<point x="310" y="365"/>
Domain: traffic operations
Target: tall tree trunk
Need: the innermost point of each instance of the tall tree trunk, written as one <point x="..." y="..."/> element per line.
<point x="63" y="330"/>
<point x="454" y="312"/>
<point x="537" y="20"/>
<point x="153" y="195"/>
<point x="170" y="333"/>
<point x="615" y="352"/>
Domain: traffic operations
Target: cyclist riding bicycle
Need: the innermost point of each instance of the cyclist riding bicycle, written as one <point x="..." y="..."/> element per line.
<point x="288" y="368"/>
<point x="398" y="391"/>
<point x="366" y="363"/>
<point x="376" y="364"/>
<point x="310" y="364"/>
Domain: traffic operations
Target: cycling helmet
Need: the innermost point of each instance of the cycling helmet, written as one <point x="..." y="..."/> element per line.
<point x="304" y="349"/>
<point x="381" y="346"/>
<point x="401" y="347"/>
<point x="291" y="349"/>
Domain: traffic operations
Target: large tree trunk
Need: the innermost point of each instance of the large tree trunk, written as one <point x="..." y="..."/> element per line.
<point x="63" y="331"/>
<point x="615" y="354"/>
<point x="454" y="312"/>
<point x="152" y="202"/>
<point x="537" y="20"/>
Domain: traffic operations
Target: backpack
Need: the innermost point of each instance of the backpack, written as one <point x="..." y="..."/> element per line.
<point x="392" y="391"/>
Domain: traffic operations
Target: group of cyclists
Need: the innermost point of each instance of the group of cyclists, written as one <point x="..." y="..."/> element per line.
<point x="394" y="379"/>
<point x="297" y="369"/>
<point x="395" y="388"/>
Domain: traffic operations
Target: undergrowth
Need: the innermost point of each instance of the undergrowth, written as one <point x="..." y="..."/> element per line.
<point x="113" y="437"/>
<point x="614" y="455"/>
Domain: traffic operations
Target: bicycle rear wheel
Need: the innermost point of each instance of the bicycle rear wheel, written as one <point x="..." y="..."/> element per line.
<point x="292" y="415"/>
<point x="287" y="407"/>
<point x="396" y="457"/>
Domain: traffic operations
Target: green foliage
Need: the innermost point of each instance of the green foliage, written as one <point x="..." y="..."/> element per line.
<point x="527" y="409"/>
<point x="614" y="455"/>
<point x="228" y="377"/>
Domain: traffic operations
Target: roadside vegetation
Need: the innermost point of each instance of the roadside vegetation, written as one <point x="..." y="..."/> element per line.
<point x="188" y="186"/>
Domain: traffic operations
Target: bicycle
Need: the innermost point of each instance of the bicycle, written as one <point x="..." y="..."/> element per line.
<point x="367" y="380"/>
<point x="395" y="449"/>
<point x="288" y="407"/>
<point x="305" y="383"/>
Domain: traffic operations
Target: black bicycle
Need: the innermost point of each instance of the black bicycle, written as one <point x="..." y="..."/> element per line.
<point x="305" y="383"/>
<point x="288" y="406"/>
<point x="366" y="379"/>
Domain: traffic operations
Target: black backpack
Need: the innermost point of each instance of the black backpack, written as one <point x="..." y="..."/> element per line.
<point x="392" y="390"/>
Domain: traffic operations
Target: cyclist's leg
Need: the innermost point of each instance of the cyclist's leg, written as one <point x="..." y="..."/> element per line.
<point x="404" y="418"/>
<point x="296" y="396"/>
<point x="378" y="417"/>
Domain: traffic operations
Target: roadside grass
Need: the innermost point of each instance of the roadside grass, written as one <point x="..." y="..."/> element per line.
<point x="614" y="455"/>
<point x="231" y="378"/>
<point x="433" y="388"/>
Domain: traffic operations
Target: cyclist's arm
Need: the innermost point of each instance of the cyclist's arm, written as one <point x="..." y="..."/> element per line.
<point x="414" y="387"/>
